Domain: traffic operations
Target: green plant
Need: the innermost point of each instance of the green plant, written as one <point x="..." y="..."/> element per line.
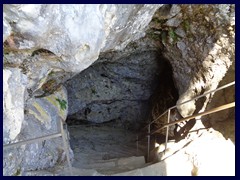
<point x="17" y="173"/>
<point x="164" y="36"/>
<point x="186" y="25"/>
<point x="172" y="35"/>
<point x="153" y="34"/>
<point x="51" y="73"/>
<point x="62" y="103"/>
<point x="93" y="90"/>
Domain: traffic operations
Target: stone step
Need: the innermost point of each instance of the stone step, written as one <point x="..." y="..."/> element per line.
<point x="124" y="164"/>
<point x="60" y="170"/>
<point x="96" y="165"/>
<point x="134" y="161"/>
<point x="176" y="165"/>
<point x="79" y="172"/>
<point x="158" y="169"/>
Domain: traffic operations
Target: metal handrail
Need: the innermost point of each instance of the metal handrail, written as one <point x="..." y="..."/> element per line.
<point x="46" y="137"/>
<point x="219" y="108"/>
<point x="226" y="106"/>
<point x="29" y="141"/>
<point x="197" y="97"/>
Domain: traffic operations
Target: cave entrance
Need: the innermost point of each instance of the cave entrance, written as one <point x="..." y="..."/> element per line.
<point x="111" y="101"/>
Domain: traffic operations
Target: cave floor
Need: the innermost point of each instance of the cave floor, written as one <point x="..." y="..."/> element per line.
<point x="94" y="144"/>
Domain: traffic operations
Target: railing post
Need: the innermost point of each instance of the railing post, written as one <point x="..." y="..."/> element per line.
<point x="155" y="141"/>
<point x="168" y="120"/>
<point x="137" y="145"/>
<point x="65" y="146"/>
<point x="148" y="153"/>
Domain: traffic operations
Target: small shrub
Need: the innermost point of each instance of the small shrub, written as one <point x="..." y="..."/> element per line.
<point x="62" y="103"/>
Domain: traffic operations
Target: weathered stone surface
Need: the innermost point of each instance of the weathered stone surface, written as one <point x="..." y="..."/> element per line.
<point x="198" y="40"/>
<point x="14" y="83"/>
<point x="131" y="162"/>
<point x="136" y="172"/>
<point x="47" y="44"/>
<point x="43" y="116"/>
<point x="116" y="87"/>
<point x="12" y="159"/>
<point x="214" y="60"/>
<point x="210" y="154"/>
<point x="202" y="53"/>
<point x="223" y="121"/>
<point x="6" y="29"/>
<point x="77" y="33"/>
<point x="215" y="158"/>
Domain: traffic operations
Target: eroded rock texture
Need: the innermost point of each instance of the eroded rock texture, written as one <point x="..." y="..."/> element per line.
<point x="199" y="42"/>
<point x="77" y="33"/>
<point x="44" y="45"/>
<point x="117" y="87"/>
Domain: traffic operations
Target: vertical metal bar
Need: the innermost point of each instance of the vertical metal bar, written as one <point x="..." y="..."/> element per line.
<point x="148" y="153"/>
<point x="137" y="145"/>
<point x="155" y="142"/>
<point x="169" y="111"/>
<point x="65" y="145"/>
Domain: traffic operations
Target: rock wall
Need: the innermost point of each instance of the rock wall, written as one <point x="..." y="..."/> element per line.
<point x="223" y="121"/>
<point x="117" y="87"/>
<point x="44" y="45"/>
<point x="40" y="117"/>
<point x="199" y="42"/>
<point x="76" y="33"/>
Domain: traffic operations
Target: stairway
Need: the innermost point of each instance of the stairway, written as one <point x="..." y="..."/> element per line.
<point x="110" y="167"/>
<point x="99" y="150"/>
<point x="107" y="149"/>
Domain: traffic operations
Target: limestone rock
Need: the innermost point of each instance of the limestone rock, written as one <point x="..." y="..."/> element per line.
<point x="78" y="33"/>
<point x="223" y="121"/>
<point x="200" y="49"/>
<point x="208" y="154"/>
<point x="43" y="116"/>
<point x="116" y="87"/>
<point x="6" y="29"/>
<point x="14" y="83"/>
<point x="44" y="45"/>
<point x="47" y="44"/>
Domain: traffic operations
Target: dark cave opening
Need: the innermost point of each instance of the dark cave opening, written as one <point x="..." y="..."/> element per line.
<point x="113" y="99"/>
<point x="122" y="91"/>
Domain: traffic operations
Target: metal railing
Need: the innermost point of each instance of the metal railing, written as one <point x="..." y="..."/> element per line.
<point x="148" y="126"/>
<point x="47" y="137"/>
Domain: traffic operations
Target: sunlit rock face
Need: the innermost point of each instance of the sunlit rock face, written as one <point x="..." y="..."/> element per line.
<point x="199" y="42"/>
<point x="40" y="117"/>
<point x="78" y="33"/>
<point x="44" y="45"/>
<point x="13" y="103"/>
<point x="117" y="87"/>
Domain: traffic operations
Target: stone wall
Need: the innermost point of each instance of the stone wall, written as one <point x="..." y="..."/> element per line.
<point x="45" y="45"/>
